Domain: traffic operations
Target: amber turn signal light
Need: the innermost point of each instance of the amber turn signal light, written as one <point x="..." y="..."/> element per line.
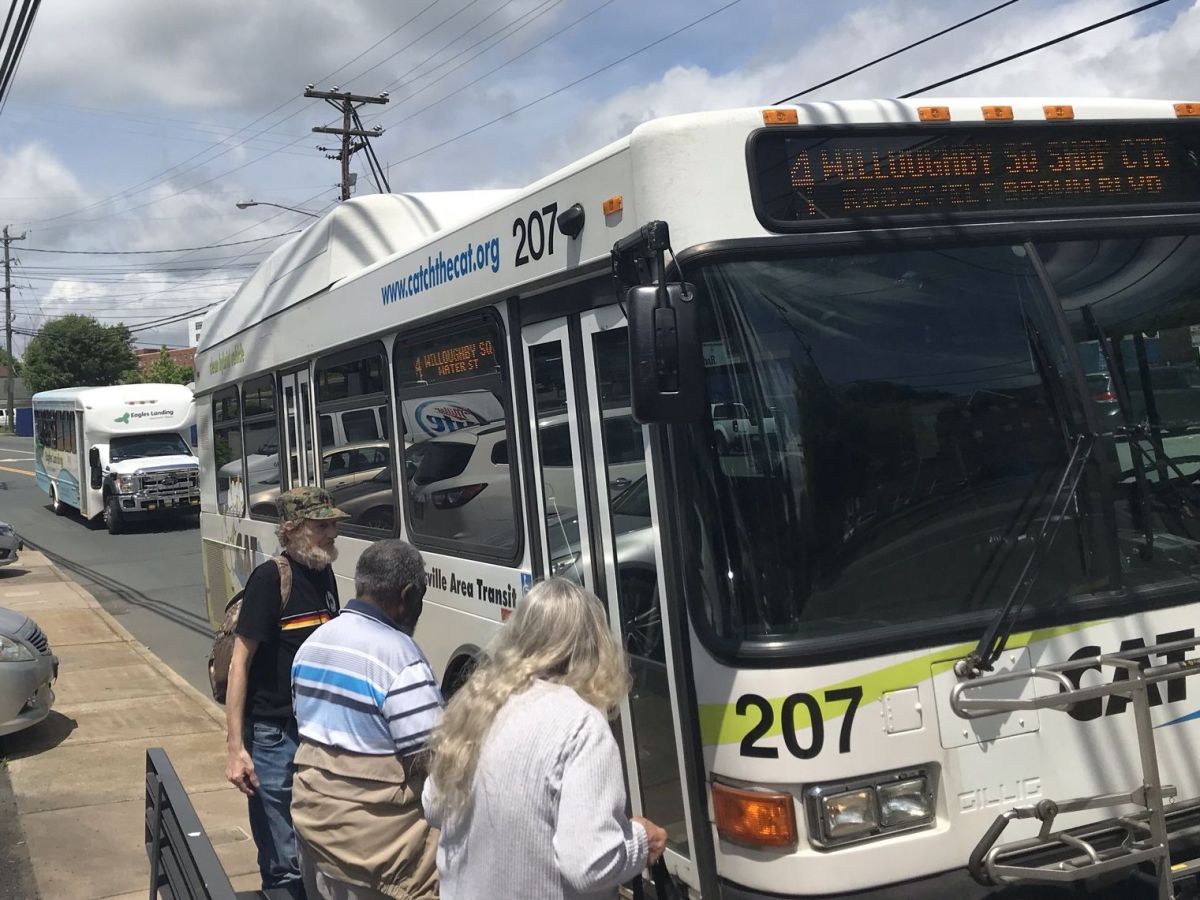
<point x="614" y="204"/>
<point x="780" y="117"/>
<point x="754" y="818"/>
<point x="997" y="113"/>
<point x="1185" y="110"/>
<point x="1063" y="111"/>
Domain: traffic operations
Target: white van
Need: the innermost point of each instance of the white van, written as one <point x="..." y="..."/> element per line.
<point x="117" y="452"/>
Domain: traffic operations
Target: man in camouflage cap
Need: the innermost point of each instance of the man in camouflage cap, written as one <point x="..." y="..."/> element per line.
<point x="286" y="600"/>
<point x="303" y="503"/>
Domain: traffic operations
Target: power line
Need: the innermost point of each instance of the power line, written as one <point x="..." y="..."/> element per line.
<point x="905" y="49"/>
<point x="18" y="37"/>
<point x="577" y="81"/>
<point x="496" y="69"/>
<point x="269" y="237"/>
<point x="1034" y="49"/>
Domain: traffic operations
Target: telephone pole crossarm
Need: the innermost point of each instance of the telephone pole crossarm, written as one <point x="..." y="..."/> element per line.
<point x="353" y="132"/>
<point x="345" y="97"/>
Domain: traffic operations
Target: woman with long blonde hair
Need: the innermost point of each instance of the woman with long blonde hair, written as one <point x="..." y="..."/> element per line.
<point x="525" y="781"/>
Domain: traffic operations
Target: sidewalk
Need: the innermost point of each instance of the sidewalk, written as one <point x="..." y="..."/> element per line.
<point x="79" y="777"/>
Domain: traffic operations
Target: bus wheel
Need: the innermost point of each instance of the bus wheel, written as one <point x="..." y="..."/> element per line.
<point x="60" y="508"/>
<point x="112" y="515"/>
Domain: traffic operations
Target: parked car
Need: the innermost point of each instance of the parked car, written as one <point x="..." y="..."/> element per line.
<point x="461" y="490"/>
<point x="10" y="545"/>
<point x="637" y="568"/>
<point x="27" y="672"/>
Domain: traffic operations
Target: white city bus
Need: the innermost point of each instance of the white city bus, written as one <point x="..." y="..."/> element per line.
<point x="919" y="395"/>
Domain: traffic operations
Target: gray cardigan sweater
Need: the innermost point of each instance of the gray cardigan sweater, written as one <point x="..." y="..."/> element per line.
<point x="547" y="817"/>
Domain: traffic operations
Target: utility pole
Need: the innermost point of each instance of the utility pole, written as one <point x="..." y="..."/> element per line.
<point x="347" y="104"/>
<point x="8" y="320"/>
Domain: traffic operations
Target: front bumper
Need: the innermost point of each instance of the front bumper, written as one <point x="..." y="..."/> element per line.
<point x="954" y="885"/>
<point x="26" y="692"/>
<point x="8" y="555"/>
<point x="140" y="503"/>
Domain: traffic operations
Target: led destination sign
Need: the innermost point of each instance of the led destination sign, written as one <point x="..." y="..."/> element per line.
<point x="904" y="175"/>
<point x="462" y="355"/>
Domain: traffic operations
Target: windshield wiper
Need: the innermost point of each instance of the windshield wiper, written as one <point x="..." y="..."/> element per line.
<point x="996" y="635"/>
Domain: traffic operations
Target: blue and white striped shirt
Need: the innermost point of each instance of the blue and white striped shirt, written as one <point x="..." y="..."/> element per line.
<point x="362" y="685"/>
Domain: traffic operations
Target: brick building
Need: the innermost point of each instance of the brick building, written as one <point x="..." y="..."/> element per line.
<point x="185" y="356"/>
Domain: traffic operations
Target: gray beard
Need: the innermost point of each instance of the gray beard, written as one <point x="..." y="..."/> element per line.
<point x="314" y="557"/>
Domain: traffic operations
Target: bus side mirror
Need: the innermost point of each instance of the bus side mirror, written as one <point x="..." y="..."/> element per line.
<point x="97" y="478"/>
<point x="666" y="367"/>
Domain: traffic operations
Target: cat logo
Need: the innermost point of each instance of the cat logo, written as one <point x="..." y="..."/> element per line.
<point x="1086" y="710"/>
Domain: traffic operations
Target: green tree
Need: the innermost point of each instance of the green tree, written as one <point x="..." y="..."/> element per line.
<point x="6" y="360"/>
<point x="77" y="351"/>
<point x="163" y="370"/>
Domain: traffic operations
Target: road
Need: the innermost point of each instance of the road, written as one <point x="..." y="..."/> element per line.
<point x="149" y="578"/>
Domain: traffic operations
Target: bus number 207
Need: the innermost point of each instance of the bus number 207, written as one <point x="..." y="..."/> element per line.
<point x="787" y="720"/>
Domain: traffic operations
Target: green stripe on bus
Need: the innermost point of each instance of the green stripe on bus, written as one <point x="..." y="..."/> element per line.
<point x="720" y="723"/>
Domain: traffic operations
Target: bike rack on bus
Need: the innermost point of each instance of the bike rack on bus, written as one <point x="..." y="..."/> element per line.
<point x="1130" y="843"/>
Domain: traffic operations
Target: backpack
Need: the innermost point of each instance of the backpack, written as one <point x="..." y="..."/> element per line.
<point x="222" y="649"/>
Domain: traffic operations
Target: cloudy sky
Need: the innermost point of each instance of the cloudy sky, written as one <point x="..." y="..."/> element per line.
<point x="136" y="125"/>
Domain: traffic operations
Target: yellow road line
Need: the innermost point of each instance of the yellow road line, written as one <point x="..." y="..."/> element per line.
<point x="16" y="471"/>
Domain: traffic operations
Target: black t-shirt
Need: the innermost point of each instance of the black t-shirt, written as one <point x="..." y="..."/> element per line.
<point x="313" y="602"/>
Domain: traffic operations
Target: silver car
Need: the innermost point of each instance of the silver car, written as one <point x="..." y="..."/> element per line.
<point x="10" y="545"/>
<point x="27" y="672"/>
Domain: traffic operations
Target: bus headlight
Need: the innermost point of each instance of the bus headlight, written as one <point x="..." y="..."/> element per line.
<point x="127" y="484"/>
<point x="905" y="802"/>
<point x="870" y="808"/>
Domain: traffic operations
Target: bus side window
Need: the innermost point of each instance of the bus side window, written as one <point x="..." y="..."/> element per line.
<point x="227" y="452"/>
<point x="453" y="393"/>
<point x="260" y="427"/>
<point x="356" y="465"/>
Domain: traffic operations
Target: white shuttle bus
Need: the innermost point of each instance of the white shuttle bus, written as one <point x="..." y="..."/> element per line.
<point x="875" y="424"/>
<point x="119" y="452"/>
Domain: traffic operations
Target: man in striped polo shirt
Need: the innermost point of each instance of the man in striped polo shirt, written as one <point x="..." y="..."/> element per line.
<point x="366" y="701"/>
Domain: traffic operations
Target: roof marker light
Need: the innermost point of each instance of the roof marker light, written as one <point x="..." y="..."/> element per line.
<point x="933" y="113"/>
<point x="997" y="113"/>
<point x="1060" y="111"/>
<point x="614" y="204"/>
<point x="780" y="117"/>
<point x="1187" y="110"/>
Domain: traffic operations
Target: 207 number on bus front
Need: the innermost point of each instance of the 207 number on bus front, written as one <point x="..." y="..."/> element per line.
<point x="754" y="704"/>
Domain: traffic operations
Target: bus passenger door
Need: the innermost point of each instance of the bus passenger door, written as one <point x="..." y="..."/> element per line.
<point x="595" y="493"/>
<point x="297" y="445"/>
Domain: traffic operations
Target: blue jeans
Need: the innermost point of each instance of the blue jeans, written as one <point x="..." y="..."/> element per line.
<point x="272" y="744"/>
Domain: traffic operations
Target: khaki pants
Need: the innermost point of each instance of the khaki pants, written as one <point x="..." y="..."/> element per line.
<point x="319" y="886"/>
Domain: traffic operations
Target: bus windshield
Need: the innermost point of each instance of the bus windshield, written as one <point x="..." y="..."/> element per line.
<point x="139" y="446"/>
<point x="887" y="432"/>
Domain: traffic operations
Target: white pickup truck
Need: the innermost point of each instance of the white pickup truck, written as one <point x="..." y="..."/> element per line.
<point x="734" y="427"/>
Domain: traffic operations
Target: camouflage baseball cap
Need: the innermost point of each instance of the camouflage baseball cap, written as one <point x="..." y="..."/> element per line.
<point x="308" y="503"/>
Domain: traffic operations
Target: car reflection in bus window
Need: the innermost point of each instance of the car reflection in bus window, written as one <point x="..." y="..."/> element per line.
<point x="1140" y="332"/>
<point x="355" y="457"/>
<point x="460" y="493"/>
<point x="227" y="452"/>
<point x="261" y="463"/>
